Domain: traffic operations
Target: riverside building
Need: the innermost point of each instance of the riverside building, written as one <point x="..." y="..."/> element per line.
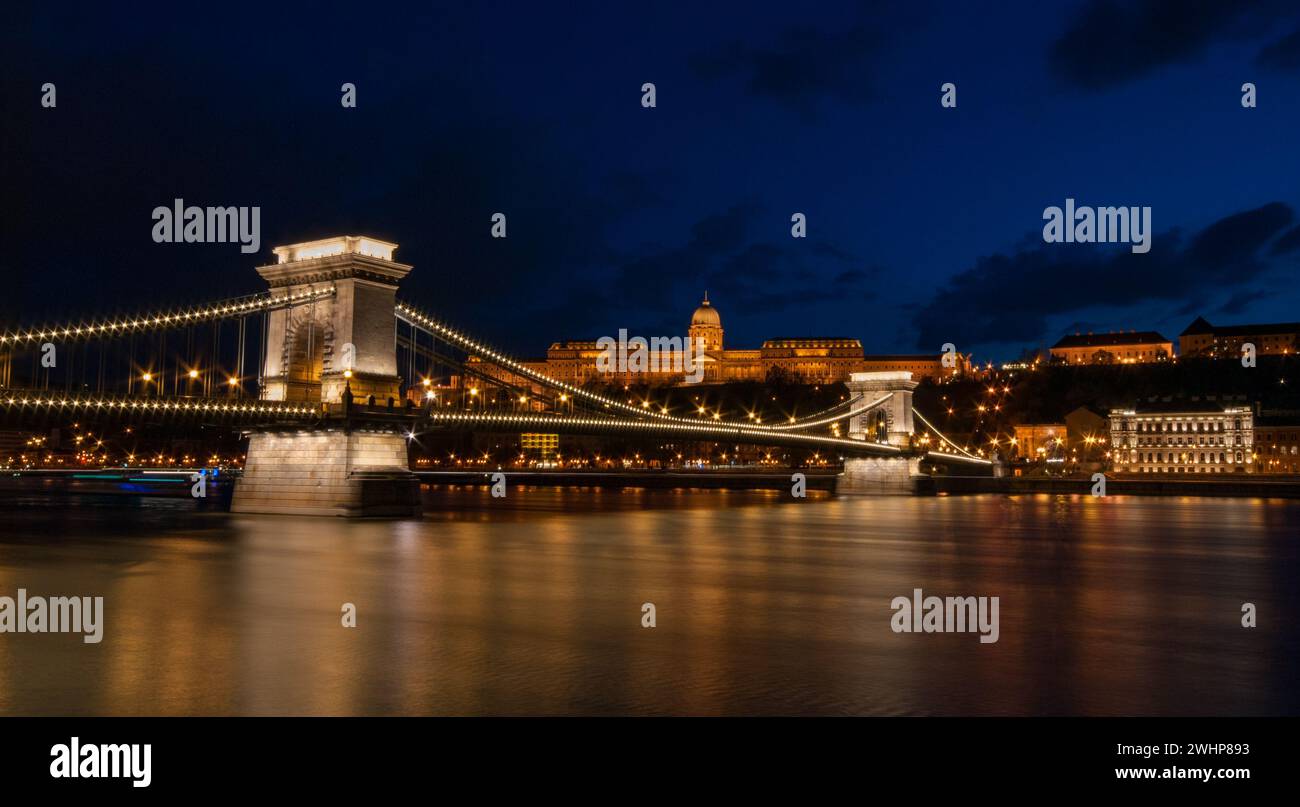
<point x="1206" y="436"/>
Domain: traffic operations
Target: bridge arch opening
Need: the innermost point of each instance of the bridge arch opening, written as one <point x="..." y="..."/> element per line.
<point x="304" y="361"/>
<point x="880" y="426"/>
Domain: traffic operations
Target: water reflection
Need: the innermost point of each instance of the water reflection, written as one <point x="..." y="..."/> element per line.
<point x="532" y="605"/>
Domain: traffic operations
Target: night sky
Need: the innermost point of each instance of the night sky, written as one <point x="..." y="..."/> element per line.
<point x="924" y="223"/>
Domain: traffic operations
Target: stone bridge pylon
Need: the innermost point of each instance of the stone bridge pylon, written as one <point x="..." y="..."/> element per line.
<point x="310" y="347"/>
<point x="889" y="423"/>
<point x="351" y="466"/>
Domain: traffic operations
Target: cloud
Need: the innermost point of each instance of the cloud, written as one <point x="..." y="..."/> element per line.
<point x="1008" y="298"/>
<point x="1238" y="302"/>
<point x="722" y="232"/>
<point x="1283" y="54"/>
<point x="1225" y="250"/>
<point x="802" y="67"/>
<point x="1288" y="243"/>
<point x="725" y="255"/>
<point x="773" y="277"/>
<point x="1110" y="43"/>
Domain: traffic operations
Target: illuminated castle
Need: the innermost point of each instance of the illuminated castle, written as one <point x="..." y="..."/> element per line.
<point x="807" y="360"/>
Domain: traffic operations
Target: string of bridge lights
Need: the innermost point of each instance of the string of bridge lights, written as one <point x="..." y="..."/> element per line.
<point x="253" y="304"/>
<point x="963" y="451"/>
<point x="157" y="405"/>
<point x="813" y="421"/>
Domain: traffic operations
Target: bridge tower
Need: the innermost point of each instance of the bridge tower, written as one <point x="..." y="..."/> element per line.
<point x="889" y="423"/>
<point x="357" y="464"/>
<point x="310" y="347"/>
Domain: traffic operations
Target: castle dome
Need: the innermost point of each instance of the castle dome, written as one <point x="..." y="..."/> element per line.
<point x="706" y="314"/>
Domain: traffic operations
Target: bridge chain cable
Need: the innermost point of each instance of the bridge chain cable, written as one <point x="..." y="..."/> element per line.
<point x="815" y="420"/>
<point x="190" y="315"/>
<point x="19" y="399"/>
<point x="966" y="454"/>
<point x="469" y="370"/>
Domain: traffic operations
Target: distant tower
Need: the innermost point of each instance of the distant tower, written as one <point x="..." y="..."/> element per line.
<point x="706" y="325"/>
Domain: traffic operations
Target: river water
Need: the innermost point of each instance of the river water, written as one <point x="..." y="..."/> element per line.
<point x="532" y="604"/>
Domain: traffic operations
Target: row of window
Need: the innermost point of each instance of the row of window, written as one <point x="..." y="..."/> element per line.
<point x="1189" y="469"/>
<point x="1189" y="441"/>
<point x="1193" y="457"/>
<point x="1195" y="426"/>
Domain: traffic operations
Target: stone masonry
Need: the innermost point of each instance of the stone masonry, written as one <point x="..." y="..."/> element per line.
<point x="327" y="473"/>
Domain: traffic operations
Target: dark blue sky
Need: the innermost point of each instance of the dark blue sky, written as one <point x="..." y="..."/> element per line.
<point x="924" y="223"/>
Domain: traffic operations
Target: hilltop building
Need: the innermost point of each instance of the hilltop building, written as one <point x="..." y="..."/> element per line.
<point x="1273" y="339"/>
<point x="1122" y="347"/>
<point x="806" y="360"/>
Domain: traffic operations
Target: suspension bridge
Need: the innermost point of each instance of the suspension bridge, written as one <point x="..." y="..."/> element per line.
<point x="324" y="371"/>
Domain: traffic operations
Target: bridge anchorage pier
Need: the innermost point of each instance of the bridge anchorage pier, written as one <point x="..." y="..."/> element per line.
<point x="351" y="460"/>
<point x="889" y="424"/>
<point x="354" y="470"/>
